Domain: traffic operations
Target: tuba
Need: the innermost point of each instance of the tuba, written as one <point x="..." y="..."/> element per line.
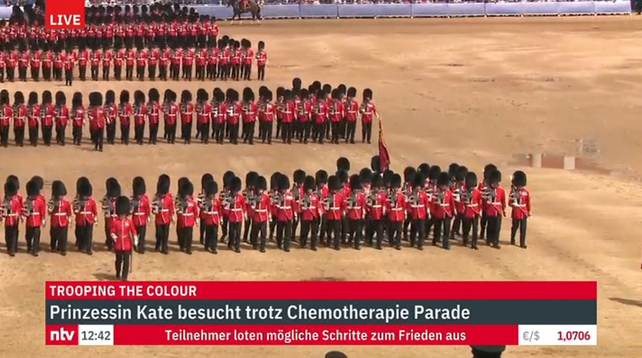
<point x="157" y="205"/>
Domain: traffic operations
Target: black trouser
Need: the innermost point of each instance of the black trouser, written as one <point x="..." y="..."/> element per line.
<point x="246" y="228"/>
<point x="153" y="133"/>
<point x="355" y="232"/>
<point x="224" y="228"/>
<point x="1" y="74"/>
<point x="141" y="231"/>
<point x="4" y="136"/>
<point x="186" y="132"/>
<point x="46" y="73"/>
<point x="211" y="237"/>
<point x="35" y="73"/>
<point x="46" y="134"/>
<point x="99" y="136"/>
<point x="519" y="224"/>
<point x="187" y="72"/>
<point x="82" y="72"/>
<point x="19" y="133"/>
<point x="442" y="231"/>
<point x="286" y="132"/>
<point x="247" y="71"/>
<point x="318" y="132"/>
<point x="234" y="133"/>
<point x="58" y="236"/>
<point x="204" y="132"/>
<point x="32" y="236"/>
<point x="171" y="133"/>
<point x="494" y="225"/>
<point x="162" y="238"/>
<point x="129" y="72"/>
<point x="259" y="228"/>
<point x="261" y="76"/>
<point x="94" y="73"/>
<point x="139" y="133"/>
<point x="305" y="131"/>
<point x="200" y="72"/>
<point x="185" y="238"/>
<point x="33" y="136"/>
<point x="336" y="132"/>
<point x="118" y="72"/>
<point x="77" y="134"/>
<point x="484" y="223"/>
<point x="109" y="242"/>
<point x="248" y="132"/>
<point x="351" y="130"/>
<point x="11" y="73"/>
<point x="235" y="236"/>
<point x="267" y="132"/>
<point x="468" y="224"/>
<point x="374" y="227"/>
<point x="22" y="73"/>
<point x="151" y="72"/>
<point x="111" y="132"/>
<point x="86" y="235"/>
<point x="124" y="134"/>
<point x="11" y="239"/>
<point x="394" y="233"/>
<point x="309" y="227"/>
<point x="123" y="259"/>
<point x="418" y="228"/>
<point x="456" y="225"/>
<point x="366" y="131"/>
<point x="295" y="225"/>
<point x="140" y="73"/>
<point x="106" y="70"/>
<point x="333" y="230"/>
<point x="162" y="72"/>
<point x="284" y="234"/>
<point x="60" y="134"/>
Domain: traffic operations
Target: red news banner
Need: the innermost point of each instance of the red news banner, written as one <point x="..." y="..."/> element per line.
<point x="321" y="313"/>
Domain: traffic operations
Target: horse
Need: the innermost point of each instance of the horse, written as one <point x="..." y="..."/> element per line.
<point x="251" y="6"/>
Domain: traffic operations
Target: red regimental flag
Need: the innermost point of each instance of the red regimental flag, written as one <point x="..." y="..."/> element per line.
<point x="384" y="157"/>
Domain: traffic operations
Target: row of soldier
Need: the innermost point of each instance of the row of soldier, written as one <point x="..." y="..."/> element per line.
<point x="229" y="59"/>
<point x="369" y="207"/>
<point x="315" y="113"/>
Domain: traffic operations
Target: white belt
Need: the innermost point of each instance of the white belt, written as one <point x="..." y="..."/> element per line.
<point x="211" y="212"/>
<point x="164" y="210"/>
<point x="261" y="211"/>
<point x="396" y="209"/>
<point x="34" y="214"/>
<point x="417" y="206"/>
<point x="444" y="204"/>
<point x="187" y="214"/>
<point x="288" y="207"/>
<point x="237" y="209"/>
<point x="85" y="212"/>
<point x="472" y="205"/>
<point x="355" y="208"/>
<point x="60" y="214"/>
<point x="520" y="205"/>
<point x="13" y="214"/>
<point x="139" y="213"/>
<point x="377" y="206"/>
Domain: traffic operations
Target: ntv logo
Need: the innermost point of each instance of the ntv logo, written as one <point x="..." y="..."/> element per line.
<point x="65" y="14"/>
<point x="62" y="335"/>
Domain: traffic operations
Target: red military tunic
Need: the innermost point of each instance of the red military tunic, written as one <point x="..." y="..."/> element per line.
<point x="234" y="113"/>
<point x="204" y="115"/>
<point x="520" y="202"/>
<point x="60" y="214"/>
<point x="123" y="233"/>
<point x="494" y="205"/>
<point x="187" y="113"/>
<point x="11" y="213"/>
<point x="250" y="112"/>
<point x="140" y="112"/>
<point x="267" y="114"/>
<point x="38" y="213"/>
<point x="368" y="111"/>
<point x="124" y="114"/>
<point x="320" y="112"/>
<point x="473" y="207"/>
<point x="6" y="115"/>
<point x="443" y="204"/>
<point x="187" y="218"/>
<point x="142" y="211"/>
<point x="62" y="117"/>
<point x="20" y="116"/>
<point x="153" y="112"/>
<point x="334" y="210"/>
<point x="355" y="206"/>
<point x="396" y="209"/>
<point x="261" y="58"/>
<point x="237" y="209"/>
<point x="171" y="114"/>
<point x="211" y="211"/>
<point x="34" y="117"/>
<point x="165" y="211"/>
<point x="87" y="214"/>
<point x="418" y="205"/>
<point x="376" y="205"/>
<point x="261" y="209"/>
<point x="285" y="207"/>
<point x="309" y="207"/>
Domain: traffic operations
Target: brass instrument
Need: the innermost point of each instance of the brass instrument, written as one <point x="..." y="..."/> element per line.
<point x="227" y="199"/>
<point x="157" y="205"/>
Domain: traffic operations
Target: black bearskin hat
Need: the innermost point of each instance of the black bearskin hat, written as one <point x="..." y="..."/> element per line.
<point x="321" y="177"/>
<point x="4" y="97"/>
<point x="395" y="181"/>
<point x="461" y="173"/>
<point x="387" y="177"/>
<point x="296" y="84"/>
<point x="419" y="180"/>
<point x="186" y="96"/>
<point x="187" y="189"/>
<point x="409" y="174"/>
<point x="305" y="94"/>
<point x="320" y="94"/>
<point x="218" y="95"/>
<point x="261" y="45"/>
<point x="452" y="170"/>
<point x="227" y="178"/>
<point x="139" y="96"/>
<point x="284" y="182"/>
<point x="487" y="351"/>
<point x="316" y="85"/>
<point x="377" y="180"/>
<point x="355" y="182"/>
<point x="123" y="206"/>
<point x="424" y="169"/>
<point x="76" y="100"/>
<point x="248" y="94"/>
<point x="99" y="99"/>
<point x="352" y="92"/>
<point x="343" y="176"/>
<point x="519" y="179"/>
<point x="250" y="179"/>
<point x="274" y="180"/>
<point x="14" y="179"/>
<point x="181" y="185"/>
<point x="110" y="97"/>
<point x="299" y="176"/>
<point x="435" y="170"/>
<point x="206" y="178"/>
<point x="58" y="189"/>
<point x="375" y="164"/>
<point x="343" y="164"/>
<point x="79" y="183"/>
<point x="489" y="168"/>
<point x="268" y="96"/>
<point x="211" y="188"/>
<point x="334" y="183"/>
<point x="341" y="90"/>
<point x="261" y="183"/>
<point x="138" y="186"/>
<point x="33" y="97"/>
<point x="367" y="94"/>
<point x="495" y="177"/>
<point x="366" y="175"/>
<point x="10" y="189"/>
<point x="46" y="97"/>
<point x="229" y="94"/>
<point x="202" y="95"/>
<point x="18" y="98"/>
<point x="32" y="188"/>
<point x="153" y="95"/>
<point x="471" y="180"/>
<point x="112" y="187"/>
<point x="287" y="95"/>
<point x="327" y="89"/>
<point x="309" y="183"/>
<point x="85" y="189"/>
<point x="38" y="180"/>
<point x="443" y="179"/>
<point x="235" y="185"/>
<point x="163" y="184"/>
<point x="124" y="96"/>
<point x="262" y="91"/>
<point x="61" y="99"/>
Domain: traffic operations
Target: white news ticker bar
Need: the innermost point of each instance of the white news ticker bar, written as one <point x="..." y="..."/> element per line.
<point x="96" y="335"/>
<point x="558" y="335"/>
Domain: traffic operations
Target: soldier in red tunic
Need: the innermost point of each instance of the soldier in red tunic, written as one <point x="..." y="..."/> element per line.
<point x="246" y="60"/>
<point x="123" y="233"/>
<point x="396" y="205"/>
<point x="261" y="61"/>
<point x="203" y="115"/>
<point x="125" y="112"/>
<point x="36" y="61"/>
<point x="351" y="111"/>
<point x="11" y="210"/>
<point x="250" y="197"/>
<point x="458" y="186"/>
<point x="376" y="211"/>
<point x="355" y="209"/>
<point x="34" y="213"/>
<point x="23" y="63"/>
<point x="153" y="113"/>
<point x="19" y="118"/>
<point x="163" y="210"/>
<point x="187" y="116"/>
<point x="111" y="113"/>
<point x="267" y="113"/>
<point x="171" y="112"/>
<point x="333" y="206"/>
<point x="59" y="209"/>
<point x="250" y="110"/>
<point x="6" y="116"/>
<point x="443" y="205"/>
<point x="520" y="202"/>
<point x="62" y="117"/>
<point x="140" y="210"/>
<point x="237" y="212"/>
<point x="494" y="206"/>
<point x="186" y="212"/>
<point x="234" y="110"/>
<point x="310" y="213"/>
<point x="86" y="212"/>
<point x="368" y="112"/>
<point x="77" y="117"/>
<point x="260" y="207"/>
<point x="152" y="63"/>
<point x="471" y="201"/>
<point x="107" y="58"/>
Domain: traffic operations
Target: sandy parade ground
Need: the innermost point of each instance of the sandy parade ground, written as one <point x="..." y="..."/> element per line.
<point x="470" y="91"/>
